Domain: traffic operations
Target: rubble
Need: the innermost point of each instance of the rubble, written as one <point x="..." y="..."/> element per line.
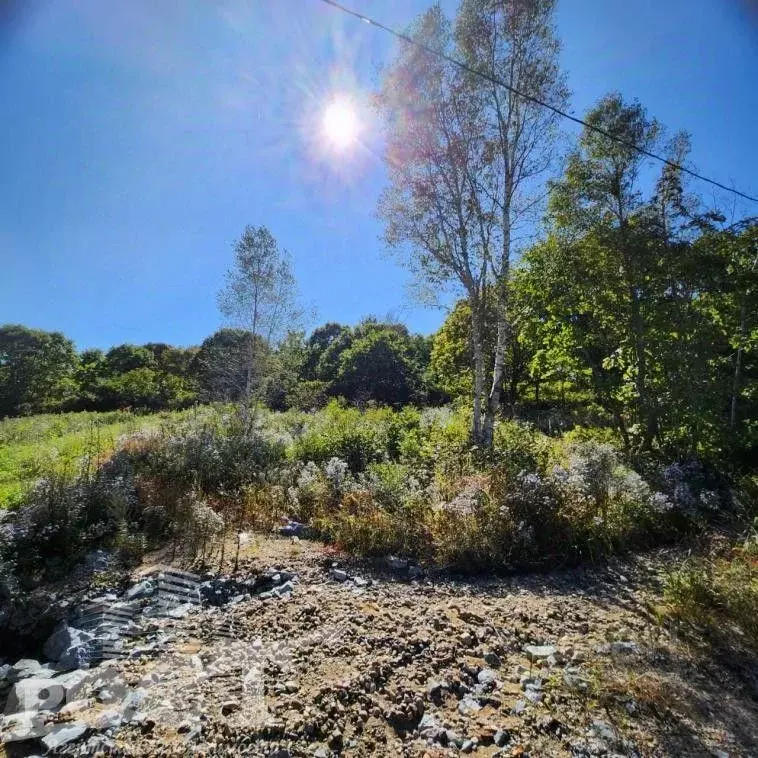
<point x="268" y="663"/>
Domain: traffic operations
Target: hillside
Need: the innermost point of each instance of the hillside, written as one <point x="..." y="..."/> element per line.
<point x="356" y="658"/>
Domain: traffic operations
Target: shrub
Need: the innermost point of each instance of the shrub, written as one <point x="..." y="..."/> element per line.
<point x="718" y="595"/>
<point x="362" y="526"/>
<point x="358" y="438"/>
<point x="520" y="447"/>
<point x="209" y="459"/>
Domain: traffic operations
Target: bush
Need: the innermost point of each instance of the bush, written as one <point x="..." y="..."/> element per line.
<point x="718" y="595"/>
<point x="209" y="459"/>
<point x="358" y="438"/>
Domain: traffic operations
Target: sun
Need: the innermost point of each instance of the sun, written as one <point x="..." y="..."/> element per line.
<point x="340" y="124"/>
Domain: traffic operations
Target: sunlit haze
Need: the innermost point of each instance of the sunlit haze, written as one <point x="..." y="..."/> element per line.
<point x="341" y="125"/>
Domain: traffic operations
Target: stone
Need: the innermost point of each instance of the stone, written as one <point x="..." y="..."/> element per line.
<point x="492" y="659"/>
<point x="62" y="734"/>
<point x="519" y="708"/>
<point x="67" y="642"/>
<point x="26" y="725"/>
<point x="145" y="588"/>
<point x="452" y="738"/>
<point x="539" y="652"/>
<point x="75" y="706"/>
<point x="501" y="738"/>
<point x="338" y="575"/>
<point x="35" y="695"/>
<point x="468" y="746"/>
<point x="181" y="611"/>
<point x="429" y="728"/>
<point x="468" y="705"/>
<point x="603" y="730"/>
<point x="487" y="677"/>
<point x="108" y="720"/>
<point x="25" y="668"/>
<point x="624" y="648"/>
<point x="573" y="679"/>
<point x="434" y="689"/>
<point x="396" y="564"/>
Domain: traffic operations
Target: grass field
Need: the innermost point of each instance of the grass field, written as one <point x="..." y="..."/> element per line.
<point x="33" y="446"/>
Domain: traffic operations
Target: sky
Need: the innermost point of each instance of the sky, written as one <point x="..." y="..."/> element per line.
<point x="137" y="139"/>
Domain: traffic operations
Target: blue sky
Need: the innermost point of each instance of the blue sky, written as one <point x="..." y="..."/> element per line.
<point x="138" y="138"/>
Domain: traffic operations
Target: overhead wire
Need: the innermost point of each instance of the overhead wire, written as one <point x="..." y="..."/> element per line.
<point x="490" y="77"/>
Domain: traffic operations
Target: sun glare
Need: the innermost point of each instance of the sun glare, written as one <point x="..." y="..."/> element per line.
<point x="340" y="124"/>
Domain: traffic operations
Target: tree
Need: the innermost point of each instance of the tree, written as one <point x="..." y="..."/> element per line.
<point x="625" y="240"/>
<point x="436" y="152"/>
<point x="222" y="365"/>
<point x="123" y="358"/>
<point x="464" y="156"/>
<point x="379" y="366"/>
<point x="259" y="297"/>
<point x="516" y="42"/>
<point x="36" y="370"/>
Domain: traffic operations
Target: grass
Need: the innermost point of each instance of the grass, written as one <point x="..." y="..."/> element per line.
<point x="718" y="595"/>
<point x="35" y="446"/>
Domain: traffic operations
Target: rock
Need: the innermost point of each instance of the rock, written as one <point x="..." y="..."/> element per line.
<point x="429" y="728"/>
<point x="145" y="588"/>
<point x="293" y="529"/>
<point x="624" y="648"/>
<point x="468" y="746"/>
<point x="434" y="689"/>
<point x="469" y="705"/>
<point x="573" y="679"/>
<point x="539" y="652"/>
<point x="603" y="730"/>
<point x="415" y="572"/>
<point x="617" y="648"/>
<point x="25" y="668"/>
<point x="281" y="591"/>
<point x="487" y="677"/>
<point x="73" y="707"/>
<point x="501" y="738"/>
<point x="26" y="725"/>
<point x="108" y="720"/>
<point x="229" y="707"/>
<point x="338" y="575"/>
<point x="396" y="564"/>
<point x="62" y="734"/>
<point x="180" y="611"/>
<point x="492" y="659"/>
<point x="35" y="695"/>
<point x="64" y="639"/>
<point x="519" y="708"/>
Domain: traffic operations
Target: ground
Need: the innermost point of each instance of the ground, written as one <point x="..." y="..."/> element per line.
<point x="377" y="664"/>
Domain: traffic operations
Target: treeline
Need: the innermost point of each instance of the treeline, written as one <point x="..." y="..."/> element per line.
<point x="381" y="362"/>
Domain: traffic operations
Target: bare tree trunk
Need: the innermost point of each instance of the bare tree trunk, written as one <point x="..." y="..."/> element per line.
<point x="501" y="308"/>
<point x="498" y="372"/>
<point x="477" y="332"/>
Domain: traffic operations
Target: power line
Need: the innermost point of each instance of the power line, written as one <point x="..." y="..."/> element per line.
<point x="495" y="80"/>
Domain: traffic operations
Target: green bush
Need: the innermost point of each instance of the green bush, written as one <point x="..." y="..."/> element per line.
<point x="359" y="438"/>
<point x="718" y="595"/>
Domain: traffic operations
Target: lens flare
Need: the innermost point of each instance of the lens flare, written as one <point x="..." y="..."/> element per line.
<point x="340" y="124"/>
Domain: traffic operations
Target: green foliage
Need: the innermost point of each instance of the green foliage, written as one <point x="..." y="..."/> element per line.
<point x="36" y="370"/>
<point x="718" y="595"/>
<point x="346" y="433"/>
